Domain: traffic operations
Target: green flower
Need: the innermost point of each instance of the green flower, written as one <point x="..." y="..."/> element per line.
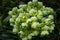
<point x="32" y="19"/>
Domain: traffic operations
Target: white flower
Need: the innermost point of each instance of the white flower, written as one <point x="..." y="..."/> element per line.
<point x="29" y="36"/>
<point x="25" y="38"/>
<point x="14" y="9"/>
<point x="40" y="13"/>
<point x="39" y="17"/>
<point x="32" y="12"/>
<point x="35" y="33"/>
<point x="49" y="10"/>
<point x="47" y="21"/>
<point x="10" y="13"/>
<point x="44" y="33"/>
<point x="35" y="25"/>
<point x="35" y="1"/>
<point x="30" y="3"/>
<point x="32" y="34"/>
<point x="51" y="16"/>
<point x="21" y="32"/>
<point x="45" y="27"/>
<point x="14" y="16"/>
<point x="11" y="20"/>
<point x="24" y="25"/>
<point x="45" y="12"/>
<point x="22" y="6"/>
<point x="20" y="10"/>
<point x="52" y="27"/>
<point x="15" y="30"/>
<point x="40" y="4"/>
<point x="34" y="18"/>
<point x="18" y="19"/>
<point x="29" y="20"/>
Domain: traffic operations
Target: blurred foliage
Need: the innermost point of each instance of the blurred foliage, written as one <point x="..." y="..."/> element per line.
<point x="5" y="28"/>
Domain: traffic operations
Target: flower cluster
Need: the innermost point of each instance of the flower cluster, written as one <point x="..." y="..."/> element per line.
<point x="32" y="19"/>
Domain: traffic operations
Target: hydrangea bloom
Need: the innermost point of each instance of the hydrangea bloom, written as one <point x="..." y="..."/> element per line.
<point x="32" y="19"/>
